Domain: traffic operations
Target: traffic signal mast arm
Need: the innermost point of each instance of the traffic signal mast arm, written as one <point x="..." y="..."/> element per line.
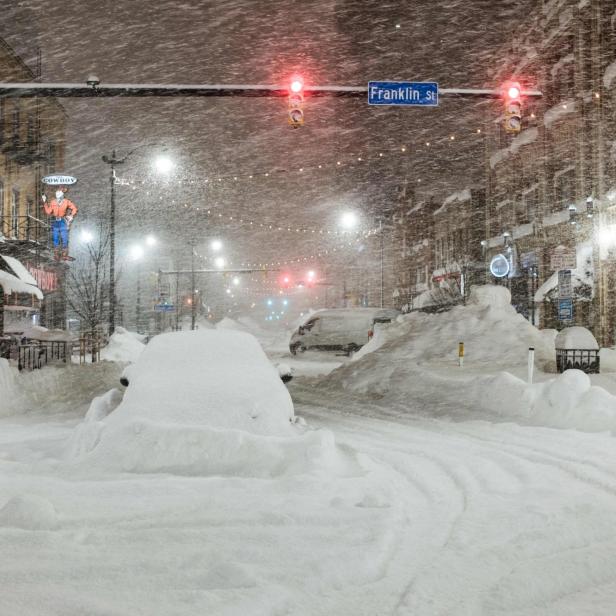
<point x="77" y="90"/>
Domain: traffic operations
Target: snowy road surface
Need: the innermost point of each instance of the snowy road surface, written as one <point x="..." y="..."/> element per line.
<point x="420" y="516"/>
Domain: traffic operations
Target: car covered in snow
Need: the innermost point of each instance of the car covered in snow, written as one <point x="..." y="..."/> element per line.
<point x="221" y="373"/>
<point x="343" y="329"/>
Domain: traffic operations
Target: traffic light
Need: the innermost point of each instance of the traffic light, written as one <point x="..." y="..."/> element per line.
<point x="513" y="107"/>
<point x="296" y="102"/>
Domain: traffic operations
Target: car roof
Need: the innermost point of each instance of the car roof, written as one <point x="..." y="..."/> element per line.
<point x="355" y="312"/>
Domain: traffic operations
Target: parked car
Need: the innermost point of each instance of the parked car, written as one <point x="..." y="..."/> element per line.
<point x="344" y="329"/>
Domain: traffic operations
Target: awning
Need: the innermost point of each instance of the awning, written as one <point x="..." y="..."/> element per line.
<point x="15" y="278"/>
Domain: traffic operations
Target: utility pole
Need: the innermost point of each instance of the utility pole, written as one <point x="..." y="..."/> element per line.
<point x="193" y="302"/>
<point x="112" y="161"/>
<point x="382" y="259"/>
<point x="138" y="306"/>
<point x="177" y="302"/>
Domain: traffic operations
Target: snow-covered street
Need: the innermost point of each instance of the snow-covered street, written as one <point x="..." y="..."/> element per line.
<point x="415" y="515"/>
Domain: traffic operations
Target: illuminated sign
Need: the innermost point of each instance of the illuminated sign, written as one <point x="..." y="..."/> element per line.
<point x="499" y="266"/>
<point x="59" y="180"/>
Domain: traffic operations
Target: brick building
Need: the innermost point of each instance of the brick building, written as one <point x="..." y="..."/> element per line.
<point x="31" y="145"/>
<point x="550" y="188"/>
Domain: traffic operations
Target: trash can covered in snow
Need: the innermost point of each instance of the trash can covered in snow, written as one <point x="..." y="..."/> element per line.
<point x="577" y="348"/>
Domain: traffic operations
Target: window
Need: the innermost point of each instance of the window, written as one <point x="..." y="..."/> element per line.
<point x="31" y="130"/>
<point x="564" y="187"/>
<point x="14" y="213"/>
<point x="16" y="124"/>
<point x="2" y="229"/>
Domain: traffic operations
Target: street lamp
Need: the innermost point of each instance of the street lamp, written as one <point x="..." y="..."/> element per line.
<point x="163" y="164"/>
<point x="87" y="236"/>
<point x="219" y="262"/>
<point x="216" y="245"/>
<point x="348" y="220"/>
<point x="113" y="161"/>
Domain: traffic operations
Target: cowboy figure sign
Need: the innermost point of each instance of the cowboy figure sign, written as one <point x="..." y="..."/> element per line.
<point x="62" y="212"/>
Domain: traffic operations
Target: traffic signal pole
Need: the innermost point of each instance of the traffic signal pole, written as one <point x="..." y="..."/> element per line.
<point x="94" y="89"/>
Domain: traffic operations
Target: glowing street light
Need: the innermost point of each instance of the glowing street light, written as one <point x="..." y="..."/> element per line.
<point x="219" y="262"/>
<point x="348" y="220"/>
<point x="150" y="240"/>
<point x="216" y="245"/>
<point x="163" y="164"/>
<point x="87" y="236"/>
<point x="137" y="252"/>
<point x="236" y="281"/>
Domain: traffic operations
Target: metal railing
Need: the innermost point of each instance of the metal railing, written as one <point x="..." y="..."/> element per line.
<point x="25" y="229"/>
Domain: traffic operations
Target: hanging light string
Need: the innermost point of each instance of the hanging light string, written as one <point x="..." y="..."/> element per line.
<point x="278" y="228"/>
<point x="280" y="263"/>
<point x="341" y="163"/>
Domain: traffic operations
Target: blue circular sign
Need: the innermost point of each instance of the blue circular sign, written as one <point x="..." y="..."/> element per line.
<point x="499" y="266"/>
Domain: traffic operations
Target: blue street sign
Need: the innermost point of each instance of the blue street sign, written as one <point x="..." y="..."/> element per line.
<point x="565" y="309"/>
<point x="423" y="93"/>
<point x="164" y="308"/>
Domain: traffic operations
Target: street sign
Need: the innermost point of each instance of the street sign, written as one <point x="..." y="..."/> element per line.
<point x="565" y="309"/>
<point x="59" y="180"/>
<point x="499" y="266"/>
<point x="563" y="258"/>
<point x="164" y="308"/>
<point x="565" y="289"/>
<point x="422" y="93"/>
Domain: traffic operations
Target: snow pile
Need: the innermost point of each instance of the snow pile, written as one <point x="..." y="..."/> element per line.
<point x="202" y="402"/>
<point x="28" y="512"/>
<point x="123" y="346"/>
<point x="576" y="338"/>
<point x="54" y="389"/>
<point x="567" y="401"/>
<point x="492" y="332"/>
<point x="8" y="389"/>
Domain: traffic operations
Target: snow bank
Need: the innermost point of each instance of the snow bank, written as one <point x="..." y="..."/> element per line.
<point x="567" y="401"/>
<point x="492" y="332"/>
<point x="202" y="402"/>
<point x="576" y="338"/>
<point x="28" y="512"/>
<point x="413" y="367"/>
<point x="54" y="389"/>
<point x="123" y="346"/>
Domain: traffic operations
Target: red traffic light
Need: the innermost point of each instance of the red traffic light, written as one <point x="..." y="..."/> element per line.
<point x="512" y="91"/>
<point x="297" y="84"/>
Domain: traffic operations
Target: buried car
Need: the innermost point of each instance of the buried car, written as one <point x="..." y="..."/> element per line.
<point x="344" y="329"/>
<point x="222" y="375"/>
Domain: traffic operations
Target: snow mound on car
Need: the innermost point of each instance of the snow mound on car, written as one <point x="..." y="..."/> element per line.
<point x="202" y="402"/>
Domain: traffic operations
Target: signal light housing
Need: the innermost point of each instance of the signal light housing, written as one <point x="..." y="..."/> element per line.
<point x="513" y="108"/>
<point x="296" y="103"/>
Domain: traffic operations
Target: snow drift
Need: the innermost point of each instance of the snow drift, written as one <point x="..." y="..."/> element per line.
<point x="201" y="402"/>
<point x="123" y="346"/>
<point x="412" y="365"/>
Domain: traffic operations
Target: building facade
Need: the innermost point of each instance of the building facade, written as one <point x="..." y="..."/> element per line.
<point x="550" y="189"/>
<point x="31" y="146"/>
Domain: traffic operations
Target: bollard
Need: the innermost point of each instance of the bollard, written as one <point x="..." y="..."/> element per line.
<point x="460" y="354"/>
<point x="531" y="364"/>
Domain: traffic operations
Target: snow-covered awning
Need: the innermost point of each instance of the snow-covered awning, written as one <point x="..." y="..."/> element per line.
<point x="15" y="278"/>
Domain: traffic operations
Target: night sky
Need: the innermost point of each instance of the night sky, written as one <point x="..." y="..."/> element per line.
<point x="246" y="41"/>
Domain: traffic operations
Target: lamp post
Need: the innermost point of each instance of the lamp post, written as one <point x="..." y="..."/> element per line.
<point x="113" y="161"/>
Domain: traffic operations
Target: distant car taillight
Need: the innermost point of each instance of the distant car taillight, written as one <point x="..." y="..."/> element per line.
<point x="370" y="334"/>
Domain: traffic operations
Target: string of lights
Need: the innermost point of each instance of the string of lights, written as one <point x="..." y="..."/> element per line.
<point x="340" y="163"/>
